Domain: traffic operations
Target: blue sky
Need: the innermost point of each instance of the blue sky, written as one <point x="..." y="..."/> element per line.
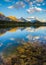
<point x="24" y="8"/>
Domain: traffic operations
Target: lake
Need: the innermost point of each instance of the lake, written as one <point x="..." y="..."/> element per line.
<point x="20" y="35"/>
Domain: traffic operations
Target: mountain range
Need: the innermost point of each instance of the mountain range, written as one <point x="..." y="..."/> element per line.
<point x="13" y="18"/>
<point x="9" y="18"/>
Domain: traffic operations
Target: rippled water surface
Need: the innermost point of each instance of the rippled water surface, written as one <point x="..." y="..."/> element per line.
<point x="15" y="36"/>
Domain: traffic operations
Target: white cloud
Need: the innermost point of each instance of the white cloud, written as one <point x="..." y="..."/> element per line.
<point x="8" y="0"/>
<point x="39" y="0"/>
<point x="34" y="9"/>
<point x="31" y="17"/>
<point x="31" y="3"/>
<point x="27" y="0"/>
<point x="34" y="1"/>
<point x="36" y="37"/>
<point x="10" y="7"/>
<point x="38" y="4"/>
<point x="20" y="4"/>
<point x="12" y="39"/>
<point x="30" y="10"/>
<point x="38" y="9"/>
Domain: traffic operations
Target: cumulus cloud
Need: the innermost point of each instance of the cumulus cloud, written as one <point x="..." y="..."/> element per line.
<point x="27" y="0"/>
<point x="31" y="3"/>
<point x="34" y="1"/>
<point x="38" y="9"/>
<point x="36" y="37"/>
<point x="8" y="0"/>
<point x="35" y="9"/>
<point x="38" y="4"/>
<point x="39" y="0"/>
<point x="30" y="10"/>
<point x="19" y="4"/>
<point x="10" y="7"/>
<point x="12" y="39"/>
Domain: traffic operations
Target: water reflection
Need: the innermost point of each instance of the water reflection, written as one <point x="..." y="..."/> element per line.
<point x="20" y="35"/>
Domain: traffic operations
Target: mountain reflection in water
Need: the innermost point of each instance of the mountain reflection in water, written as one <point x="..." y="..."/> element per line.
<point x="20" y="35"/>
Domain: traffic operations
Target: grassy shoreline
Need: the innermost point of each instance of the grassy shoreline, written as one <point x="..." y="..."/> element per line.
<point x="26" y="54"/>
<point x="5" y="24"/>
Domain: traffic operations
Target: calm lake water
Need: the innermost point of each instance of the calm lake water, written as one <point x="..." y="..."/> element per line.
<point x="16" y="36"/>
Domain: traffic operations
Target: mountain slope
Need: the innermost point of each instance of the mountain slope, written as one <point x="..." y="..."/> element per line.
<point x="13" y="18"/>
<point x="4" y="18"/>
<point x="22" y="19"/>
